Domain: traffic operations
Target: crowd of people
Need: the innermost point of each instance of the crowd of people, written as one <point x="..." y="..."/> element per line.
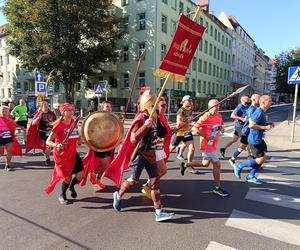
<point x="150" y="132"/>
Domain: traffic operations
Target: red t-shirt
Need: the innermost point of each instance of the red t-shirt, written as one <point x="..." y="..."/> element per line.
<point x="209" y="124"/>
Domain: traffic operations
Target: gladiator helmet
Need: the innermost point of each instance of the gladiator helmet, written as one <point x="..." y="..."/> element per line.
<point x="147" y="103"/>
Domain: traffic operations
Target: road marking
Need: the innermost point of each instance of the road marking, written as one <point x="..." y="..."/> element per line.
<point x="275" y="229"/>
<point x="217" y="246"/>
<point x="288" y="170"/>
<point x="279" y="180"/>
<point x="274" y="199"/>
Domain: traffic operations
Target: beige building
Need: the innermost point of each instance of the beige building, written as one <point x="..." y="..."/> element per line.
<point x="260" y="71"/>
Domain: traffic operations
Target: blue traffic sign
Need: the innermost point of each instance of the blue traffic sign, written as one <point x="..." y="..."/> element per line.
<point x="39" y="77"/>
<point x="98" y="88"/>
<point x="294" y="75"/>
<point x="40" y="88"/>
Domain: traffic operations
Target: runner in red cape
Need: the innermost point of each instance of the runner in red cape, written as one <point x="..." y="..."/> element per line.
<point x="143" y="129"/>
<point x="7" y="137"/>
<point x="39" y="130"/>
<point x="67" y="160"/>
<point x="95" y="163"/>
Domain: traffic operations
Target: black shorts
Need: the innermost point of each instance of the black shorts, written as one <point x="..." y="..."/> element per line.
<point x="22" y="123"/>
<point x="138" y="164"/>
<point x="258" y="150"/>
<point x="104" y="154"/>
<point x="177" y="139"/>
<point x="78" y="167"/>
<point x="244" y="139"/>
<point x="237" y="131"/>
<point x="43" y="135"/>
<point x="4" y="141"/>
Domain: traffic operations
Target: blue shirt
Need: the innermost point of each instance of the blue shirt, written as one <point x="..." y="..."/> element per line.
<point x="256" y="135"/>
<point x="249" y="112"/>
<point x="240" y="111"/>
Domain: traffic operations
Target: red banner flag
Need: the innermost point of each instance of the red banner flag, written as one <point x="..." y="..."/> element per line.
<point x="182" y="49"/>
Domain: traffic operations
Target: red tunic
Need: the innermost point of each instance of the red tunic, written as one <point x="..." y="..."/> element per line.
<point x="167" y="137"/>
<point x="65" y="159"/>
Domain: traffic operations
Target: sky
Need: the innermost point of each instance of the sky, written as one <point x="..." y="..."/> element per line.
<point x="272" y="24"/>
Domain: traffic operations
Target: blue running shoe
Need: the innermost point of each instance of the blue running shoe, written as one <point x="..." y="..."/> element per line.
<point x="117" y="202"/>
<point x="162" y="216"/>
<point x="237" y="170"/>
<point x="254" y="180"/>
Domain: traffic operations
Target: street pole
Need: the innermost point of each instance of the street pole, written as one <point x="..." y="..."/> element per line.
<point x="169" y="103"/>
<point x="294" y="113"/>
<point x="98" y="101"/>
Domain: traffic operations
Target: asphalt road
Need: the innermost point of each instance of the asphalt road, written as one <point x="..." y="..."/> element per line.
<point x="253" y="217"/>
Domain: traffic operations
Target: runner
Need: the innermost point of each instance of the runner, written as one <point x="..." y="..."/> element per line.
<point x="20" y="112"/>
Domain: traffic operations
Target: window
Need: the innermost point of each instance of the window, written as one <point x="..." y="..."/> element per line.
<point x="216" y="34"/>
<point x="173" y="27"/>
<point x="141" y="49"/>
<point x="163" y="50"/>
<point x="218" y="54"/>
<point x="8" y="76"/>
<point x="199" y="86"/>
<point x="217" y="71"/>
<point x="226" y="43"/>
<point x="164" y="23"/>
<point x="222" y="39"/>
<point x="141" y="79"/>
<point x="141" y="21"/>
<point x="126" y="80"/>
<point x="194" y="64"/>
<point x="219" y="35"/>
<point x="181" y="7"/>
<point x="204" y="86"/>
<point x="165" y="1"/>
<point x="210" y="49"/>
<point x="221" y="72"/>
<point x="215" y="51"/>
<point x="1" y="60"/>
<point x="222" y="55"/>
<point x="126" y="24"/>
<point x="205" y="67"/>
<point x="209" y="68"/>
<point x="211" y="30"/>
<point x="25" y="86"/>
<point x="125" y="56"/>
<point x="225" y="57"/>
<point x="7" y="59"/>
<point x="213" y="88"/>
<point x="205" y="47"/>
<point x="229" y="59"/>
<point x="124" y="2"/>
<point x="214" y="70"/>
<point x="208" y="88"/>
<point x="174" y="4"/>
<point x="9" y="93"/>
<point x="200" y="65"/>
<point x="193" y="85"/>
<point x="200" y="45"/>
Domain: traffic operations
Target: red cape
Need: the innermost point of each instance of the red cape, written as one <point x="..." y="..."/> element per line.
<point x="16" y="149"/>
<point x="90" y="164"/>
<point x="116" y="168"/>
<point x="168" y="136"/>
<point x="34" y="140"/>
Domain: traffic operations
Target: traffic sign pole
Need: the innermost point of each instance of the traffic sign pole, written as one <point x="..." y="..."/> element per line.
<point x="294" y="113"/>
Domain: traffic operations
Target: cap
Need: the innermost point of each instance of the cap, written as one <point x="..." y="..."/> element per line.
<point x="186" y="98"/>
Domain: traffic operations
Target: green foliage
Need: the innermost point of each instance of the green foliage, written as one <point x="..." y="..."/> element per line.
<point x="286" y="60"/>
<point x="67" y="37"/>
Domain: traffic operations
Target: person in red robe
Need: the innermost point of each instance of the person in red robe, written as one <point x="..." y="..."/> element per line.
<point x="8" y="140"/>
<point x="67" y="160"/>
<point x="39" y="130"/>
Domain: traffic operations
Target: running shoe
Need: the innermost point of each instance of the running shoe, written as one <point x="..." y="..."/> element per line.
<point x="195" y="171"/>
<point x="98" y="185"/>
<point x="183" y="167"/>
<point x="7" y="168"/>
<point x="162" y="216"/>
<point x="73" y="192"/>
<point x="116" y="202"/>
<point x="47" y="162"/>
<point x="254" y="180"/>
<point x="220" y="191"/>
<point x="237" y="170"/>
<point x="180" y="157"/>
<point x="222" y="151"/>
<point x="232" y="162"/>
<point x="63" y="199"/>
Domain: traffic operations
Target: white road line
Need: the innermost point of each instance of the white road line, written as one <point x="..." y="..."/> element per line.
<point x="217" y="246"/>
<point x="274" y="199"/>
<point x="279" y="180"/>
<point x="275" y="229"/>
<point x="287" y="170"/>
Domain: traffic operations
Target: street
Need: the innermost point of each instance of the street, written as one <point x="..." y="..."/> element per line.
<point x="253" y="217"/>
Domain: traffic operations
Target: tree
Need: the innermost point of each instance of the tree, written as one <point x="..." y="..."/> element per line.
<point x="66" y="37"/>
<point x="283" y="62"/>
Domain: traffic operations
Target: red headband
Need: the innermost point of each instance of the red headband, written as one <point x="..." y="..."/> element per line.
<point x="65" y="106"/>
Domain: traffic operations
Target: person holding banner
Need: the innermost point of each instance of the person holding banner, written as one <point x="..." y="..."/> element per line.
<point x="39" y="130"/>
<point x="64" y="138"/>
<point x="20" y="112"/>
<point x="145" y="129"/>
<point x="209" y="127"/>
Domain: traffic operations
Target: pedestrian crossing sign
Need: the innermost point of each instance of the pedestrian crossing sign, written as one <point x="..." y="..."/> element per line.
<point x="294" y="75"/>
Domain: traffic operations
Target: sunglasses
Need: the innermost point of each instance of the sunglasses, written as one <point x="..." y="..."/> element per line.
<point x="163" y="105"/>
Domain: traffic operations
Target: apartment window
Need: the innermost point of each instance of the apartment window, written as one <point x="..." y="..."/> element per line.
<point x="126" y="80"/>
<point x="209" y="68"/>
<point x="218" y="54"/>
<point x="222" y="55"/>
<point x="7" y="59"/>
<point x="204" y="86"/>
<point x="219" y="35"/>
<point x="217" y="71"/>
<point x="229" y="44"/>
<point x="25" y="86"/>
<point x="216" y="34"/>
<point x="211" y="30"/>
<point x="222" y="39"/>
<point x="181" y="7"/>
<point x="229" y="59"/>
<point x="173" y="27"/>
<point x="200" y="65"/>
<point x="141" y="49"/>
<point x="205" y="67"/>
<point x="199" y="86"/>
<point x="125" y="2"/>
<point x="205" y="47"/>
<point x="125" y="55"/>
<point x="233" y="43"/>
<point x="141" y="79"/>
<point x="141" y="21"/>
<point x="174" y="4"/>
<point x="215" y="51"/>
<point x="193" y="85"/>
<point x="221" y="73"/>
<point x="213" y="88"/>
<point x="210" y="49"/>
<point x="164" y="23"/>
<point x="226" y="43"/>
<point x="1" y="60"/>
<point x="165" y="1"/>
<point x="194" y="64"/>
<point x="163" y="50"/>
<point x="225" y="57"/>
<point x="225" y="71"/>
<point x="214" y="70"/>
<point x="126" y="24"/>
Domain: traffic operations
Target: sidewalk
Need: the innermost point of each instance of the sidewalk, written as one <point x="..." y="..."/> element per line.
<point x="280" y="137"/>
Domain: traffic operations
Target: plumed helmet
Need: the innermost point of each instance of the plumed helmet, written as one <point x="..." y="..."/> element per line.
<point x="147" y="103"/>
